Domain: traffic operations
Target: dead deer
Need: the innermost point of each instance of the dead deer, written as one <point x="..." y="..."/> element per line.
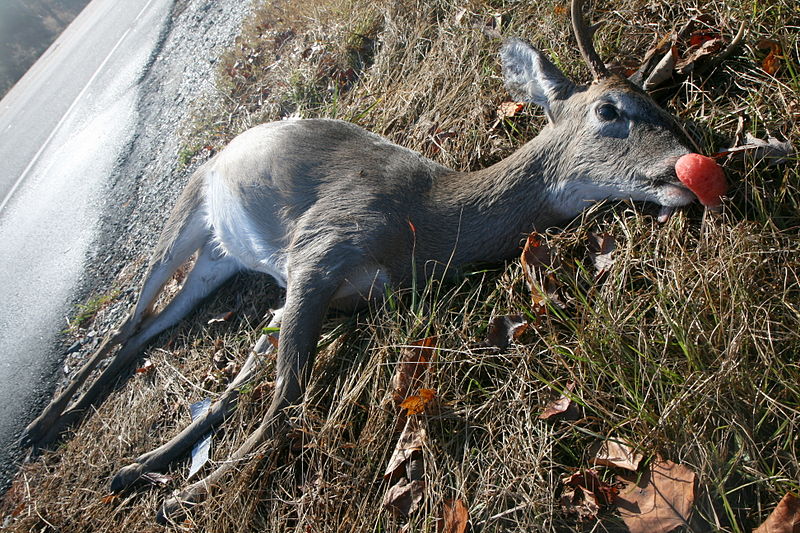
<point x="334" y="213"/>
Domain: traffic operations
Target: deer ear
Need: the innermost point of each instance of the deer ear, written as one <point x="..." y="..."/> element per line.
<point x="531" y="77"/>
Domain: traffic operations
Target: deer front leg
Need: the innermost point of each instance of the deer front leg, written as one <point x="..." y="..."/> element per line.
<point x="307" y="299"/>
<point x="162" y="456"/>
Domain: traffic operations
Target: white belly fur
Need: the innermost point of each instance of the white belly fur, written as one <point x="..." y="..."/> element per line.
<point x="236" y="235"/>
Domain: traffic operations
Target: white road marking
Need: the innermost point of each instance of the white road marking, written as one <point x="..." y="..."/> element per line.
<point x="72" y="106"/>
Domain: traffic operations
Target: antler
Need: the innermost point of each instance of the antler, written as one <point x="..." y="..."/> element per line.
<point x="584" y="35"/>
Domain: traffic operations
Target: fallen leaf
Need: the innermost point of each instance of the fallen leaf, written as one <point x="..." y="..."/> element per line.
<point x="413" y="363"/>
<point x="590" y="480"/>
<point x="772" y="150"/>
<point x="230" y="370"/>
<point x="586" y="493"/>
<point x="580" y="501"/>
<point x="411" y="440"/>
<point x="785" y="518"/>
<point x="560" y="405"/>
<point x="415" y="467"/>
<point x="651" y="58"/>
<point x="663" y="70"/>
<point x="772" y="62"/>
<point x="455" y="517"/>
<point x="273" y="340"/>
<point x="613" y="452"/>
<point x="536" y="254"/>
<point x="503" y="330"/>
<point x="538" y="266"/>
<point x="415" y="405"/>
<point x="700" y="37"/>
<point x="661" y="501"/>
<point x="222" y="317"/>
<point x="404" y="497"/>
<point x="459" y="16"/>
<point x="602" y="246"/>
<point x="707" y="48"/>
<point x="146" y="368"/>
<point x="110" y="498"/>
<point x="19" y="509"/>
<point x="509" y="109"/>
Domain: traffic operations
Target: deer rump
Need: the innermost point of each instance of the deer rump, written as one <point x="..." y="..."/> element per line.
<point x="334" y="213"/>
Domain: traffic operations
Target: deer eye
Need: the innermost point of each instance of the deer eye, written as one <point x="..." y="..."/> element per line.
<point x="607" y="112"/>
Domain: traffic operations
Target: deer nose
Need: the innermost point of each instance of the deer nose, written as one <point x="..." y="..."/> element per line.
<point x="704" y="177"/>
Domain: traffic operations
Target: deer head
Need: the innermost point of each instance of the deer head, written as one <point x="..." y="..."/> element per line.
<point x="606" y="140"/>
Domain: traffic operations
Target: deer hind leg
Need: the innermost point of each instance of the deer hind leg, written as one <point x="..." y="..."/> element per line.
<point x="210" y="270"/>
<point x="219" y="411"/>
<point x="193" y="235"/>
<point x="307" y="298"/>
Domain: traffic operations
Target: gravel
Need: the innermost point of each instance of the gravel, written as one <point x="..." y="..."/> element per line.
<point x="148" y="178"/>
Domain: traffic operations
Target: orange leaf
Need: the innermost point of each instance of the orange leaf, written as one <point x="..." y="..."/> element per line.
<point x="509" y="109"/>
<point x="538" y="265"/>
<point x="588" y="479"/>
<point x="414" y="361"/>
<point x="785" y="518"/>
<point x="455" y="517"/>
<point x="707" y="48"/>
<point x="700" y="37"/>
<point x="772" y="62"/>
<point x="261" y="390"/>
<point x="109" y="499"/>
<point x="273" y="340"/>
<point x="415" y="405"/>
<point x="661" y="501"/>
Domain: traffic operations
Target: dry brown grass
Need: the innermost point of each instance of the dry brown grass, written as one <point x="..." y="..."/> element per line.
<point x="688" y="349"/>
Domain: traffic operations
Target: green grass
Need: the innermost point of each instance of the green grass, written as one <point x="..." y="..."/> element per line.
<point x="87" y="311"/>
<point x="687" y="348"/>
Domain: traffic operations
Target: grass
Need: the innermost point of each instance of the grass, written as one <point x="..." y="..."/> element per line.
<point x="687" y="349"/>
<point x="86" y="312"/>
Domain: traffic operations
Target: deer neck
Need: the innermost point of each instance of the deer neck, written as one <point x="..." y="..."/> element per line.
<point x="486" y="214"/>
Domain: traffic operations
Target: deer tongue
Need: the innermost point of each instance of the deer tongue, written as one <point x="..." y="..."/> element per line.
<point x="664" y="214"/>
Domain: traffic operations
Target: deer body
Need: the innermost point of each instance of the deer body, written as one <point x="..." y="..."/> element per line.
<point x="378" y="206"/>
<point x="334" y="213"/>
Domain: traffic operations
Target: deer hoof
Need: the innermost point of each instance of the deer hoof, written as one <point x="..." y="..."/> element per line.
<point x="126" y="477"/>
<point x="174" y="509"/>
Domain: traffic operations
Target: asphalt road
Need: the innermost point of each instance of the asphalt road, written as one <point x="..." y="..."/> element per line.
<point x="62" y="129"/>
